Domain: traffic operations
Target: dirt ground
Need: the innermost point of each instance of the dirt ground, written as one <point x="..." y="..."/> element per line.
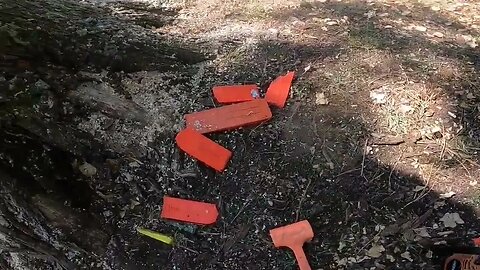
<point x="378" y="146"/>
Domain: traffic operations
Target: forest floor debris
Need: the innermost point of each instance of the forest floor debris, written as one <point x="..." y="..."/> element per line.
<point x="408" y="70"/>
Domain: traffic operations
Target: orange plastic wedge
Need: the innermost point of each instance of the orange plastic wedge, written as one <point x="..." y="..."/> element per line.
<point x="229" y="94"/>
<point x="189" y="211"/>
<point x="277" y="92"/>
<point x="229" y="117"/>
<point x="203" y="149"/>
<point x="293" y="236"/>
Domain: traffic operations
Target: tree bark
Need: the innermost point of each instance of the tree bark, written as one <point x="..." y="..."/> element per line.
<point x="43" y="47"/>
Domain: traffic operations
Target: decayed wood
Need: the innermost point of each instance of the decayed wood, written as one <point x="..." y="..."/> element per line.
<point x="101" y="98"/>
<point x="22" y="229"/>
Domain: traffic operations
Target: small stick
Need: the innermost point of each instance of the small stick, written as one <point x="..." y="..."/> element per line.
<point x="363" y="159"/>
<point x="186" y="248"/>
<point x="241" y="210"/>
<point x="391" y="172"/>
<point x="347" y="172"/>
<point x="303" y="198"/>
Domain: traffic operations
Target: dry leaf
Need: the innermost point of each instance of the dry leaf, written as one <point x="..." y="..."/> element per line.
<point x="418" y="188"/>
<point x="320" y="99"/>
<point x="379" y="96"/>
<point x="450" y="220"/>
<point x="341" y="245"/>
<point x="391" y="230"/>
<point x="390" y="258"/>
<point x="375" y="251"/>
<point x="307" y="68"/>
<point x="406" y="255"/>
<point x="422" y="232"/>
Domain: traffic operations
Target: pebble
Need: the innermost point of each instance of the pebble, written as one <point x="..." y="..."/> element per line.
<point x="420" y="28"/>
<point x="87" y="169"/>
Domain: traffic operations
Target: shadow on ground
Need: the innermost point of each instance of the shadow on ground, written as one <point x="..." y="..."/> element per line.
<point x="309" y="162"/>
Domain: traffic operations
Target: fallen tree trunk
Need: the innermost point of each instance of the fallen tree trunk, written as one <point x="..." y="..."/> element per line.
<point x="78" y="36"/>
<point x="47" y="219"/>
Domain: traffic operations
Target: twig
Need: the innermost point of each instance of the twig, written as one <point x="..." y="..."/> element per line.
<point x="253" y="129"/>
<point x="241" y="210"/>
<point x="424" y="193"/>
<point x="347" y="172"/>
<point x="363" y="159"/>
<point x="370" y="241"/>
<point x="392" y="170"/>
<point x="186" y="248"/>
<point x="302" y="199"/>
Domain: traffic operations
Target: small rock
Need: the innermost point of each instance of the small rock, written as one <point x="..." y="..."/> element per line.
<point x="438" y="34"/>
<point x="432" y="132"/>
<point x="87" y="169"/>
<point x="435" y="8"/>
<point x="370" y="14"/>
<point x="320" y="99"/>
<point x="470" y="96"/>
<point x="473" y="44"/>
<point x="447" y="195"/>
<point x="273" y="33"/>
<point x="420" y="28"/>
<point x="330" y="23"/>
<point x="405" y="108"/>
<point x="390" y="258"/>
<point x="379" y="96"/>
<point x="429" y="113"/>
<point x="82" y="32"/>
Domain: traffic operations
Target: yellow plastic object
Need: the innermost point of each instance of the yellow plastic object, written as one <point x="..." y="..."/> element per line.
<point x="157" y="236"/>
